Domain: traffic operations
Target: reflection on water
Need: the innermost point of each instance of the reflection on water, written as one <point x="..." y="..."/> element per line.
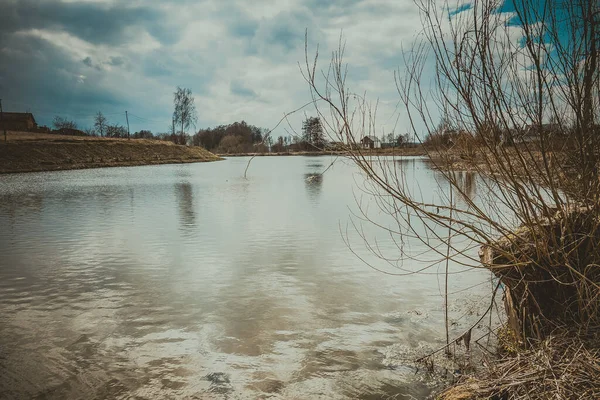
<point x="185" y="199"/>
<point x="189" y="281"/>
<point x="466" y="182"/>
<point x="313" y="183"/>
<point x="313" y="179"/>
<point x="11" y="204"/>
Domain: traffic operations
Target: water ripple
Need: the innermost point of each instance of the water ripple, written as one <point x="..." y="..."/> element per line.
<point x="188" y="281"/>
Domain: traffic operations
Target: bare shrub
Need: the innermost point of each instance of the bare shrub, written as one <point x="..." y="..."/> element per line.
<point x="527" y="100"/>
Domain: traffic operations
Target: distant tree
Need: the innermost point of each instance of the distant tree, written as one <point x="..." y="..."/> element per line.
<point x="116" y="131"/>
<point x="143" y="134"/>
<point x="179" y="138"/>
<point x="89" y="132"/>
<point x="231" y="144"/>
<point x="402" y="139"/>
<point x="184" y="114"/>
<point x="163" y="136"/>
<point x="100" y="123"/>
<point x="209" y="138"/>
<point x="278" y="146"/>
<point x="390" y="138"/>
<point x="196" y="139"/>
<point x="257" y="134"/>
<point x="247" y="137"/>
<point x="63" y="123"/>
<point x="268" y="140"/>
<point x="312" y="132"/>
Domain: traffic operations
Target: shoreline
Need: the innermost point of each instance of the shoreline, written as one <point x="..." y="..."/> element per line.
<point x="26" y="152"/>
<point x="73" y="167"/>
<point x="408" y="151"/>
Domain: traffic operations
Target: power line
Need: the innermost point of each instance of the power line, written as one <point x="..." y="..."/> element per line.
<point x="146" y="119"/>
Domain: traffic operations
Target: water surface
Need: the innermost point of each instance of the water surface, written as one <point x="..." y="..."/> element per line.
<point x="189" y="281"/>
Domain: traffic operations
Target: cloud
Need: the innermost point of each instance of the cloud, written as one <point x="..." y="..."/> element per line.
<point x="93" y="22"/>
<point x="43" y="78"/>
<point x="239" y="58"/>
<point x="244" y="28"/>
<point x="238" y="88"/>
<point x="116" y="61"/>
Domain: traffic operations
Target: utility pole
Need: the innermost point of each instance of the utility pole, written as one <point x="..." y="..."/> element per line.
<point x="2" y="120"/>
<point x="127" y="118"/>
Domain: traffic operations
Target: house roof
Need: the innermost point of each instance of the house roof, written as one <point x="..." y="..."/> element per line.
<point x="15" y="116"/>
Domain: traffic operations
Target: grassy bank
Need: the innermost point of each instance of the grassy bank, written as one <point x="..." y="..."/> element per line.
<point x="30" y="152"/>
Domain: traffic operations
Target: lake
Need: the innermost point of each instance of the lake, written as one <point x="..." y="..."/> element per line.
<point x="189" y="281"/>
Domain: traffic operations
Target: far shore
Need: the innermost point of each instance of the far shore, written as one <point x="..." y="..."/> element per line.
<point x="397" y="151"/>
<point x="38" y="152"/>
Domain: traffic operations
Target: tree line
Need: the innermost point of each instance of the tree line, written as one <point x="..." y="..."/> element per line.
<point x="234" y="137"/>
<point x="237" y="137"/>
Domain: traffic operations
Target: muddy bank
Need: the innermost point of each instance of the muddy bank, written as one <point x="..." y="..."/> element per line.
<point x="25" y="152"/>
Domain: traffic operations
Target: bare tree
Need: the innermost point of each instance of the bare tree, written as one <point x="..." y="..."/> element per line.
<point x="63" y="123"/>
<point x="116" y="131"/>
<point x="501" y="78"/>
<point x="185" y="113"/>
<point x="100" y="124"/>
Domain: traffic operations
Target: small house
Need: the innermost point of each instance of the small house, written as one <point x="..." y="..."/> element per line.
<point x="370" y="142"/>
<point x="13" y="121"/>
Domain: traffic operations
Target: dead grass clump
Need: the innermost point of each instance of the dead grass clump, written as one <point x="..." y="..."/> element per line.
<point x="559" y="367"/>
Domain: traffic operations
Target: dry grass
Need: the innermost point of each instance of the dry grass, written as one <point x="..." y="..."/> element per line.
<point x="550" y="346"/>
<point x="559" y="367"/>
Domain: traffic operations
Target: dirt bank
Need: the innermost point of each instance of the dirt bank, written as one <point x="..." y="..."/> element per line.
<point x="28" y="152"/>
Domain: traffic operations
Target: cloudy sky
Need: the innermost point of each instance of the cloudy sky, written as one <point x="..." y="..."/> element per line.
<point x="239" y="57"/>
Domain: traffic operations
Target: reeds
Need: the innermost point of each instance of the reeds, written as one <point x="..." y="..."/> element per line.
<point x="564" y="366"/>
